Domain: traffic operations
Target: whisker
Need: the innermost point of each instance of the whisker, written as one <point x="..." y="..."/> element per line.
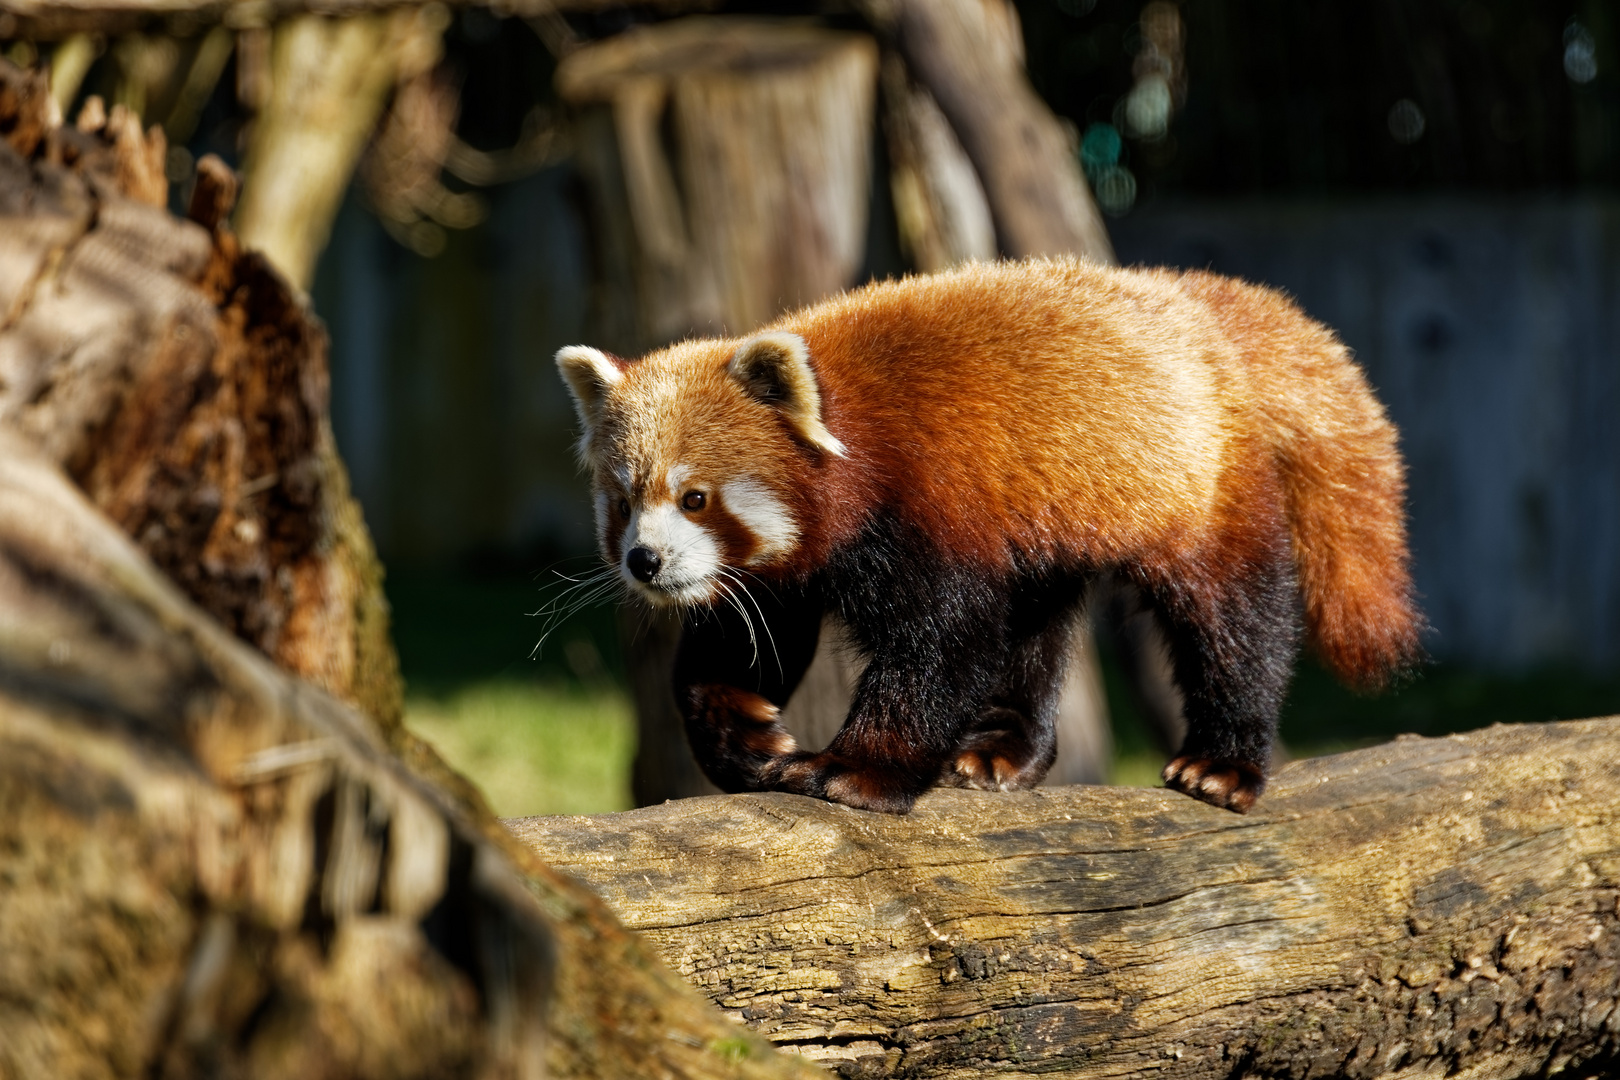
<point x="763" y="621"/>
<point x="566" y="602"/>
<point x="731" y="599"/>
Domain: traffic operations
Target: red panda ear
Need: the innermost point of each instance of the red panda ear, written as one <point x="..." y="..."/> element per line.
<point x="590" y="374"/>
<point x="774" y="369"/>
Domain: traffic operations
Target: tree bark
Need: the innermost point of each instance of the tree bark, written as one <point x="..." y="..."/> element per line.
<point x="1427" y="907"/>
<point x="184" y="388"/>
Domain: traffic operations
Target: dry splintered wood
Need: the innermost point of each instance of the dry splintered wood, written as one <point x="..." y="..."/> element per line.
<point x="1430" y="907"/>
<point x="183" y="385"/>
<point x="210" y="868"/>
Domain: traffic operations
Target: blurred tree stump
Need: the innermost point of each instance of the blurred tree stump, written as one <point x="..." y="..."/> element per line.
<point x="730" y="158"/>
<point x="211" y="867"/>
<point x="184" y="388"/>
<point x="1430" y="907"/>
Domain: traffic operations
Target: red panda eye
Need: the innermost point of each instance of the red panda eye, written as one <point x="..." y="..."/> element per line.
<point x="624" y="507"/>
<point x="693" y="500"/>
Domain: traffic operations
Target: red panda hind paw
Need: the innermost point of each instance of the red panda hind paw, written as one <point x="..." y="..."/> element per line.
<point x="1231" y="785"/>
<point x="985" y="770"/>
<point x="825" y="776"/>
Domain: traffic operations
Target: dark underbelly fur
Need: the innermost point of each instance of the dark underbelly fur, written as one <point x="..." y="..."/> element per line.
<point x="964" y="671"/>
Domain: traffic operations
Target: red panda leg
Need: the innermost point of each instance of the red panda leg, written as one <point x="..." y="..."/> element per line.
<point x="935" y="632"/>
<point x="734" y="675"/>
<point x="1232" y="642"/>
<point x="1014" y="742"/>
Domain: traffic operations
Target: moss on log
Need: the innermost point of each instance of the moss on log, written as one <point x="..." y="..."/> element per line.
<point x="1430" y="907"/>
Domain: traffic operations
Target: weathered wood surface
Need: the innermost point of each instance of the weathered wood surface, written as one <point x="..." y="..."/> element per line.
<point x="184" y="388"/>
<point x="1428" y="907"/>
<point x="210" y="868"/>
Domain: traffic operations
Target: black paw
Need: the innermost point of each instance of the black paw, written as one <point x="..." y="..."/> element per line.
<point x="1231" y="785"/>
<point x="736" y="738"/>
<point x="998" y="760"/>
<point x="827" y="776"/>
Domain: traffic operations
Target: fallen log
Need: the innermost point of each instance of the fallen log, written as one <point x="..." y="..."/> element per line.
<point x="1429" y="907"/>
<point x="210" y="868"/>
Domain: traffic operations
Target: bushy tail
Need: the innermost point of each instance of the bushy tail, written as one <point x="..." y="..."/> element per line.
<point x="1343" y="479"/>
<point x="1346" y="504"/>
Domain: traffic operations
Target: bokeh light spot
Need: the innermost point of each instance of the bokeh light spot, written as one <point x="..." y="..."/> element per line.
<point x="1406" y="122"/>
<point x="1580" y="53"/>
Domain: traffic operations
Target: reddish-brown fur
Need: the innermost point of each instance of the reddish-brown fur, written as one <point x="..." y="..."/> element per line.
<point x="1294" y="408"/>
<point x="955" y="455"/>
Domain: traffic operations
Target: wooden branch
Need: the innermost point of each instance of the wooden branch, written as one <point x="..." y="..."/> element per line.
<point x="1427" y="907"/>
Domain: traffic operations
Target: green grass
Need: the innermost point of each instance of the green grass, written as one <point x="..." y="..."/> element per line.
<point x="534" y="748"/>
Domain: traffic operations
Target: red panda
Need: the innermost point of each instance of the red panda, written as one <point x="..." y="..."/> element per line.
<point x="944" y="463"/>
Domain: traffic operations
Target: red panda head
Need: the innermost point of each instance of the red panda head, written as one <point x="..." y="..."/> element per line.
<point x="698" y="458"/>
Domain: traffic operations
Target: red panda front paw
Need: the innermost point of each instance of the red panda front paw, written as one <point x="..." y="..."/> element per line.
<point x="1231" y="785"/>
<point x="1000" y="760"/>
<point x="736" y="737"/>
<point x="827" y="776"/>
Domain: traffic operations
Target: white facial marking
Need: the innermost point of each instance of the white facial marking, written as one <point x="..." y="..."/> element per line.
<point x="677" y="481"/>
<point x="604" y="509"/>
<point x="687" y="555"/>
<point x="762" y="514"/>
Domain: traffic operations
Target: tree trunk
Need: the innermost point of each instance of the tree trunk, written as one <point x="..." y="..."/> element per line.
<point x="327" y="83"/>
<point x="969" y="56"/>
<point x="757" y="205"/>
<point x="209" y="867"/>
<point x="1424" y="908"/>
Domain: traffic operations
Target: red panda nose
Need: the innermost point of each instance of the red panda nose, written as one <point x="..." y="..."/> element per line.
<point x="643" y="563"/>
